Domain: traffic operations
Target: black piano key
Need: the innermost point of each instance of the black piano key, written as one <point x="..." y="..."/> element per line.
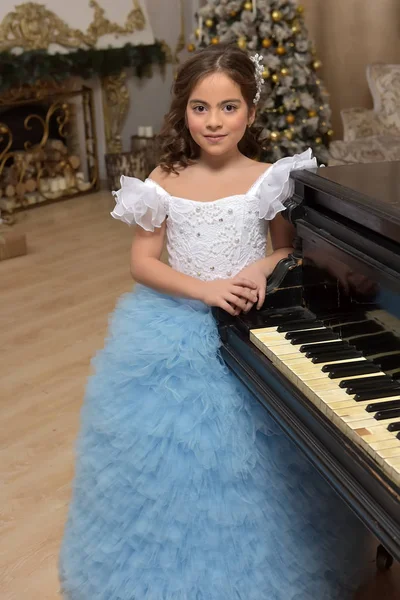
<point x="375" y="394"/>
<point x="298" y="325"/>
<point x="357" y="388"/>
<point x="380" y="406"/>
<point x="371" y="344"/>
<point x="351" y="369"/>
<point x="325" y="346"/>
<point x="328" y="357"/>
<point x="387" y="363"/>
<point x="361" y="328"/>
<point x="387" y="414"/>
<point x="366" y="380"/>
<point x="394" y="426"/>
<point x="398" y="436"/>
<point x="306" y="337"/>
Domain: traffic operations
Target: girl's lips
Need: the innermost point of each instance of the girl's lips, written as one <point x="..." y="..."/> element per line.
<point x="214" y="138"/>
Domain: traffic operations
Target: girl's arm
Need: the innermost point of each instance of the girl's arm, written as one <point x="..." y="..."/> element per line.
<point x="147" y="268"/>
<point x="282" y="235"/>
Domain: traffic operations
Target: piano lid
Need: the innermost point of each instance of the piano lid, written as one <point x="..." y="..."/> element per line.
<point x="366" y="194"/>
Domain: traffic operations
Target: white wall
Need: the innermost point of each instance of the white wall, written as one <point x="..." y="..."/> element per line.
<point x="150" y="97"/>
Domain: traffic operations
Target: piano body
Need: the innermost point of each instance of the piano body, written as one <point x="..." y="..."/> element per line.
<point x="323" y="354"/>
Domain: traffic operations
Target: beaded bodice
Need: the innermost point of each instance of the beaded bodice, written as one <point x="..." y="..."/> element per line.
<point x="211" y="240"/>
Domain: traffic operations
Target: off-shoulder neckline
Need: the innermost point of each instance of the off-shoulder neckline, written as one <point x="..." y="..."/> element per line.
<point x="249" y="191"/>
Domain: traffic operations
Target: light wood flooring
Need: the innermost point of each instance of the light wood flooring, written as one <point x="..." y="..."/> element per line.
<point x="53" y="317"/>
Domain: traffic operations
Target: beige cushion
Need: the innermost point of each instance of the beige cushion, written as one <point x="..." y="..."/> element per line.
<point x="365" y="150"/>
<point x="384" y="83"/>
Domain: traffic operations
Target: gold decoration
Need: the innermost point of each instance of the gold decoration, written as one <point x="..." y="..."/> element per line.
<point x="265" y="73"/>
<point x="318" y="140"/>
<point x="266" y="43"/>
<point x="115" y="109"/>
<point x="285" y="71"/>
<point x="46" y="170"/>
<point x="330" y="132"/>
<point x="300" y="9"/>
<point x="180" y="45"/>
<point x="233" y="13"/>
<point x="197" y="32"/>
<point x="290" y="119"/>
<point x="215" y="40"/>
<point x="277" y="15"/>
<point x="275" y="136"/>
<point x="295" y="29"/>
<point x="281" y="110"/>
<point x="248" y="6"/>
<point x="33" y="27"/>
<point x="317" y="64"/>
<point x="318" y="81"/>
<point x="242" y="43"/>
<point x="281" y="50"/>
<point x="275" y="78"/>
<point x="191" y="47"/>
<point x="288" y="134"/>
<point x="209" y="22"/>
<point x="312" y="113"/>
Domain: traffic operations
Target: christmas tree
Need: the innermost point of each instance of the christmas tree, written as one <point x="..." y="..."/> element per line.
<point x="293" y="112"/>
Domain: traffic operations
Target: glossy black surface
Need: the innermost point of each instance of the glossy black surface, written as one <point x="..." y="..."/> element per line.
<point x="344" y="276"/>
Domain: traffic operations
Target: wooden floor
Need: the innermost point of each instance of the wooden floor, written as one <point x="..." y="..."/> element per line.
<point x="53" y="317"/>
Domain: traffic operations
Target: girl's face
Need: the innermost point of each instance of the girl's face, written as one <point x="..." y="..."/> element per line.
<point x="217" y="114"/>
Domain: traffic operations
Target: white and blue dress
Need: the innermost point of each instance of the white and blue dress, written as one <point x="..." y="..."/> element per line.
<point x="185" y="488"/>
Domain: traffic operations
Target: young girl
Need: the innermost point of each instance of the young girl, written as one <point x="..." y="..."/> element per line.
<point x="185" y="488"/>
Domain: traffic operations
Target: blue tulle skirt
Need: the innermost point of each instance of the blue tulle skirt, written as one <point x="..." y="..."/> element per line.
<point x="185" y="488"/>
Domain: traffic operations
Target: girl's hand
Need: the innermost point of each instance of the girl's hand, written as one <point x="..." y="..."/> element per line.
<point x="256" y="273"/>
<point x="232" y="295"/>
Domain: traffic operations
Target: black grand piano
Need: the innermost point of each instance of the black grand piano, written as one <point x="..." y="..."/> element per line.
<point x="323" y="354"/>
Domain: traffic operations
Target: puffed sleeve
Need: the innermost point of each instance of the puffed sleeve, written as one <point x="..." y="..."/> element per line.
<point x="140" y="203"/>
<point x="276" y="185"/>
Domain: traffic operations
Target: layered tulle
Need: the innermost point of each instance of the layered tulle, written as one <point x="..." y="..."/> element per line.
<point x="185" y="489"/>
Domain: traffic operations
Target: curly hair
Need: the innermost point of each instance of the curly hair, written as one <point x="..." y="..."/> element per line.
<point x="177" y="147"/>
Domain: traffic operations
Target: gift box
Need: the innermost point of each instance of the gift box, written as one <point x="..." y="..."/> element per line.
<point x="12" y="244"/>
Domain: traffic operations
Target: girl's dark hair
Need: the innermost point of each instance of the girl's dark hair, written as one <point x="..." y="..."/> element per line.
<point x="178" y="149"/>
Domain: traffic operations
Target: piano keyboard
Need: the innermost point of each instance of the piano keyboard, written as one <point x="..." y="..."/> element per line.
<point x="349" y="368"/>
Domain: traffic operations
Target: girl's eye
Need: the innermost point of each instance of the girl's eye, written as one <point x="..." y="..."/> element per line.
<point x="230" y="108"/>
<point x="199" y="109"/>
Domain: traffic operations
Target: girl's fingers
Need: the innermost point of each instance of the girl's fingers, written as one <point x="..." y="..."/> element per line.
<point x="244" y="292"/>
<point x="261" y="297"/>
<point x="243" y="281"/>
<point x="228" y="308"/>
<point x="236" y="301"/>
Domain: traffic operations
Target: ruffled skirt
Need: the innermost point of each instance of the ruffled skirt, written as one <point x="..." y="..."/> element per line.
<point x="185" y="488"/>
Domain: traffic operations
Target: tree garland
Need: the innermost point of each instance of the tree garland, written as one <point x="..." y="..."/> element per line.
<point x="29" y="67"/>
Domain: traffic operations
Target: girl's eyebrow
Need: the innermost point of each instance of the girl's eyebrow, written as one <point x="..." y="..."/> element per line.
<point x="237" y="100"/>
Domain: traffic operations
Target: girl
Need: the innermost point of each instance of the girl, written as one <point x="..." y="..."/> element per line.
<point x="185" y="488"/>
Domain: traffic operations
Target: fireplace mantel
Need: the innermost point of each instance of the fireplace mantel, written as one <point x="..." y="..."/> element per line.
<point x="59" y="27"/>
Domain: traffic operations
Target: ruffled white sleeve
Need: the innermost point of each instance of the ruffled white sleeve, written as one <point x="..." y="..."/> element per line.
<point x="276" y="185"/>
<point x="140" y="203"/>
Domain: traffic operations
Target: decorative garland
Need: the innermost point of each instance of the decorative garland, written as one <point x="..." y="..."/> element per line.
<point x="31" y="66"/>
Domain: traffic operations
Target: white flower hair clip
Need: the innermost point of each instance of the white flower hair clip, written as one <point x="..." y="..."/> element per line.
<point x="259" y="69"/>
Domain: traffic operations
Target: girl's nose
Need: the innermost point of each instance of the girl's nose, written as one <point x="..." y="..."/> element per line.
<point x="214" y="120"/>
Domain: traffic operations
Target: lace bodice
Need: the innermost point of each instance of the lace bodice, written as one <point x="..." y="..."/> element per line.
<point x="211" y="240"/>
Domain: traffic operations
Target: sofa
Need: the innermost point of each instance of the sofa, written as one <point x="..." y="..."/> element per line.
<point x="372" y="135"/>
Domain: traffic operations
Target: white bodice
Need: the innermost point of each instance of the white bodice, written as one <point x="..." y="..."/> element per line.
<point x="217" y="239"/>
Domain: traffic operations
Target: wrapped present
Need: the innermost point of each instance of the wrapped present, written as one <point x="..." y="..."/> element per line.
<point x="12" y="244"/>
